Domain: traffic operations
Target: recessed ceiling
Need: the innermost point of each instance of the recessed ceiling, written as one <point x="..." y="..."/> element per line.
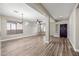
<point x="16" y="10"/>
<point x="60" y="11"/>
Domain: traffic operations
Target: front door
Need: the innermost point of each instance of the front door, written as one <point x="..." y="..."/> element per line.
<point x="63" y="30"/>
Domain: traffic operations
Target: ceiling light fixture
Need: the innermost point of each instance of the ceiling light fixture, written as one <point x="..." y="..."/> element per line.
<point x="60" y="16"/>
<point x="16" y="11"/>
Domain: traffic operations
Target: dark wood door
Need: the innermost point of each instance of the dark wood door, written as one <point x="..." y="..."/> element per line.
<point x="63" y="30"/>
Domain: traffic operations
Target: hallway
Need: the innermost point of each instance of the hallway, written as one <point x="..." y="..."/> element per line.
<point x="34" y="46"/>
<point x="34" y="29"/>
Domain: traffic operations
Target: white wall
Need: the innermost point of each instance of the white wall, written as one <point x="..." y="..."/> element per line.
<point x="0" y="27"/>
<point x="47" y="33"/>
<point x="72" y="27"/>
<point x="57" y="34"/>
<point x="28" y="30"/>
<point x="77" y="29"/>
<point x="0" y="35"/>
<point x="52" y="27"/>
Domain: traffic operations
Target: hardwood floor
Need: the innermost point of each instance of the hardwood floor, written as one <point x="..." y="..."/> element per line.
<point x="34" y="46"/>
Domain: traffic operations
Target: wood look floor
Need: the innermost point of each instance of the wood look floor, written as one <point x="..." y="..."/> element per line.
<point x="35" y="46"/>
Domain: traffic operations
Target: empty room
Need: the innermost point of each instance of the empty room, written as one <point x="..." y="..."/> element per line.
<point x="39" y="29"/>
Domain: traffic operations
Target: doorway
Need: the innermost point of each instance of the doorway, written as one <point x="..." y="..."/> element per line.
<point x="63" y="30"/>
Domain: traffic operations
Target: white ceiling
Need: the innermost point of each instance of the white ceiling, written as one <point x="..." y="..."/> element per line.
<point x="60" y="11"/>
<point x="7" y="9"/>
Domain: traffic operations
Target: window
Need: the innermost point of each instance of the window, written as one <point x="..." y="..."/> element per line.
<point x="8" y="26"/>
<point x="43" y="28"/>
<point x="14" y="28"/>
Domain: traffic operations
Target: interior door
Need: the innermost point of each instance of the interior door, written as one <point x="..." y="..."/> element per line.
<point x="63" y="30"/>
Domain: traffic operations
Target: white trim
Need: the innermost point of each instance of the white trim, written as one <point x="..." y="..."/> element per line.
<point x="46" y="41"/>
<point x="11" y="38"/>
<point x="72" y="45"/>
<point x="77" y="50"/>
<point x="15" y="38"/>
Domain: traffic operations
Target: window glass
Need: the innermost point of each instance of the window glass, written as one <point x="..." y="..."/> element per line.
<point x="8" y="26"/>
<point x="13" y="26"/>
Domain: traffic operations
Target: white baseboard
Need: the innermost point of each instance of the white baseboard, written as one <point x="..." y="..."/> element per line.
<point x="56" y="35"/>
<point x="72" y="45"/>
<point x="46" y="41"/>
<point x="14" y="38"/>
<point x="76" y="50"/>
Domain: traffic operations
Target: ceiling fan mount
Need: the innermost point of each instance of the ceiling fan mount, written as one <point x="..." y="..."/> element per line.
<point x="38" y="21"/>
